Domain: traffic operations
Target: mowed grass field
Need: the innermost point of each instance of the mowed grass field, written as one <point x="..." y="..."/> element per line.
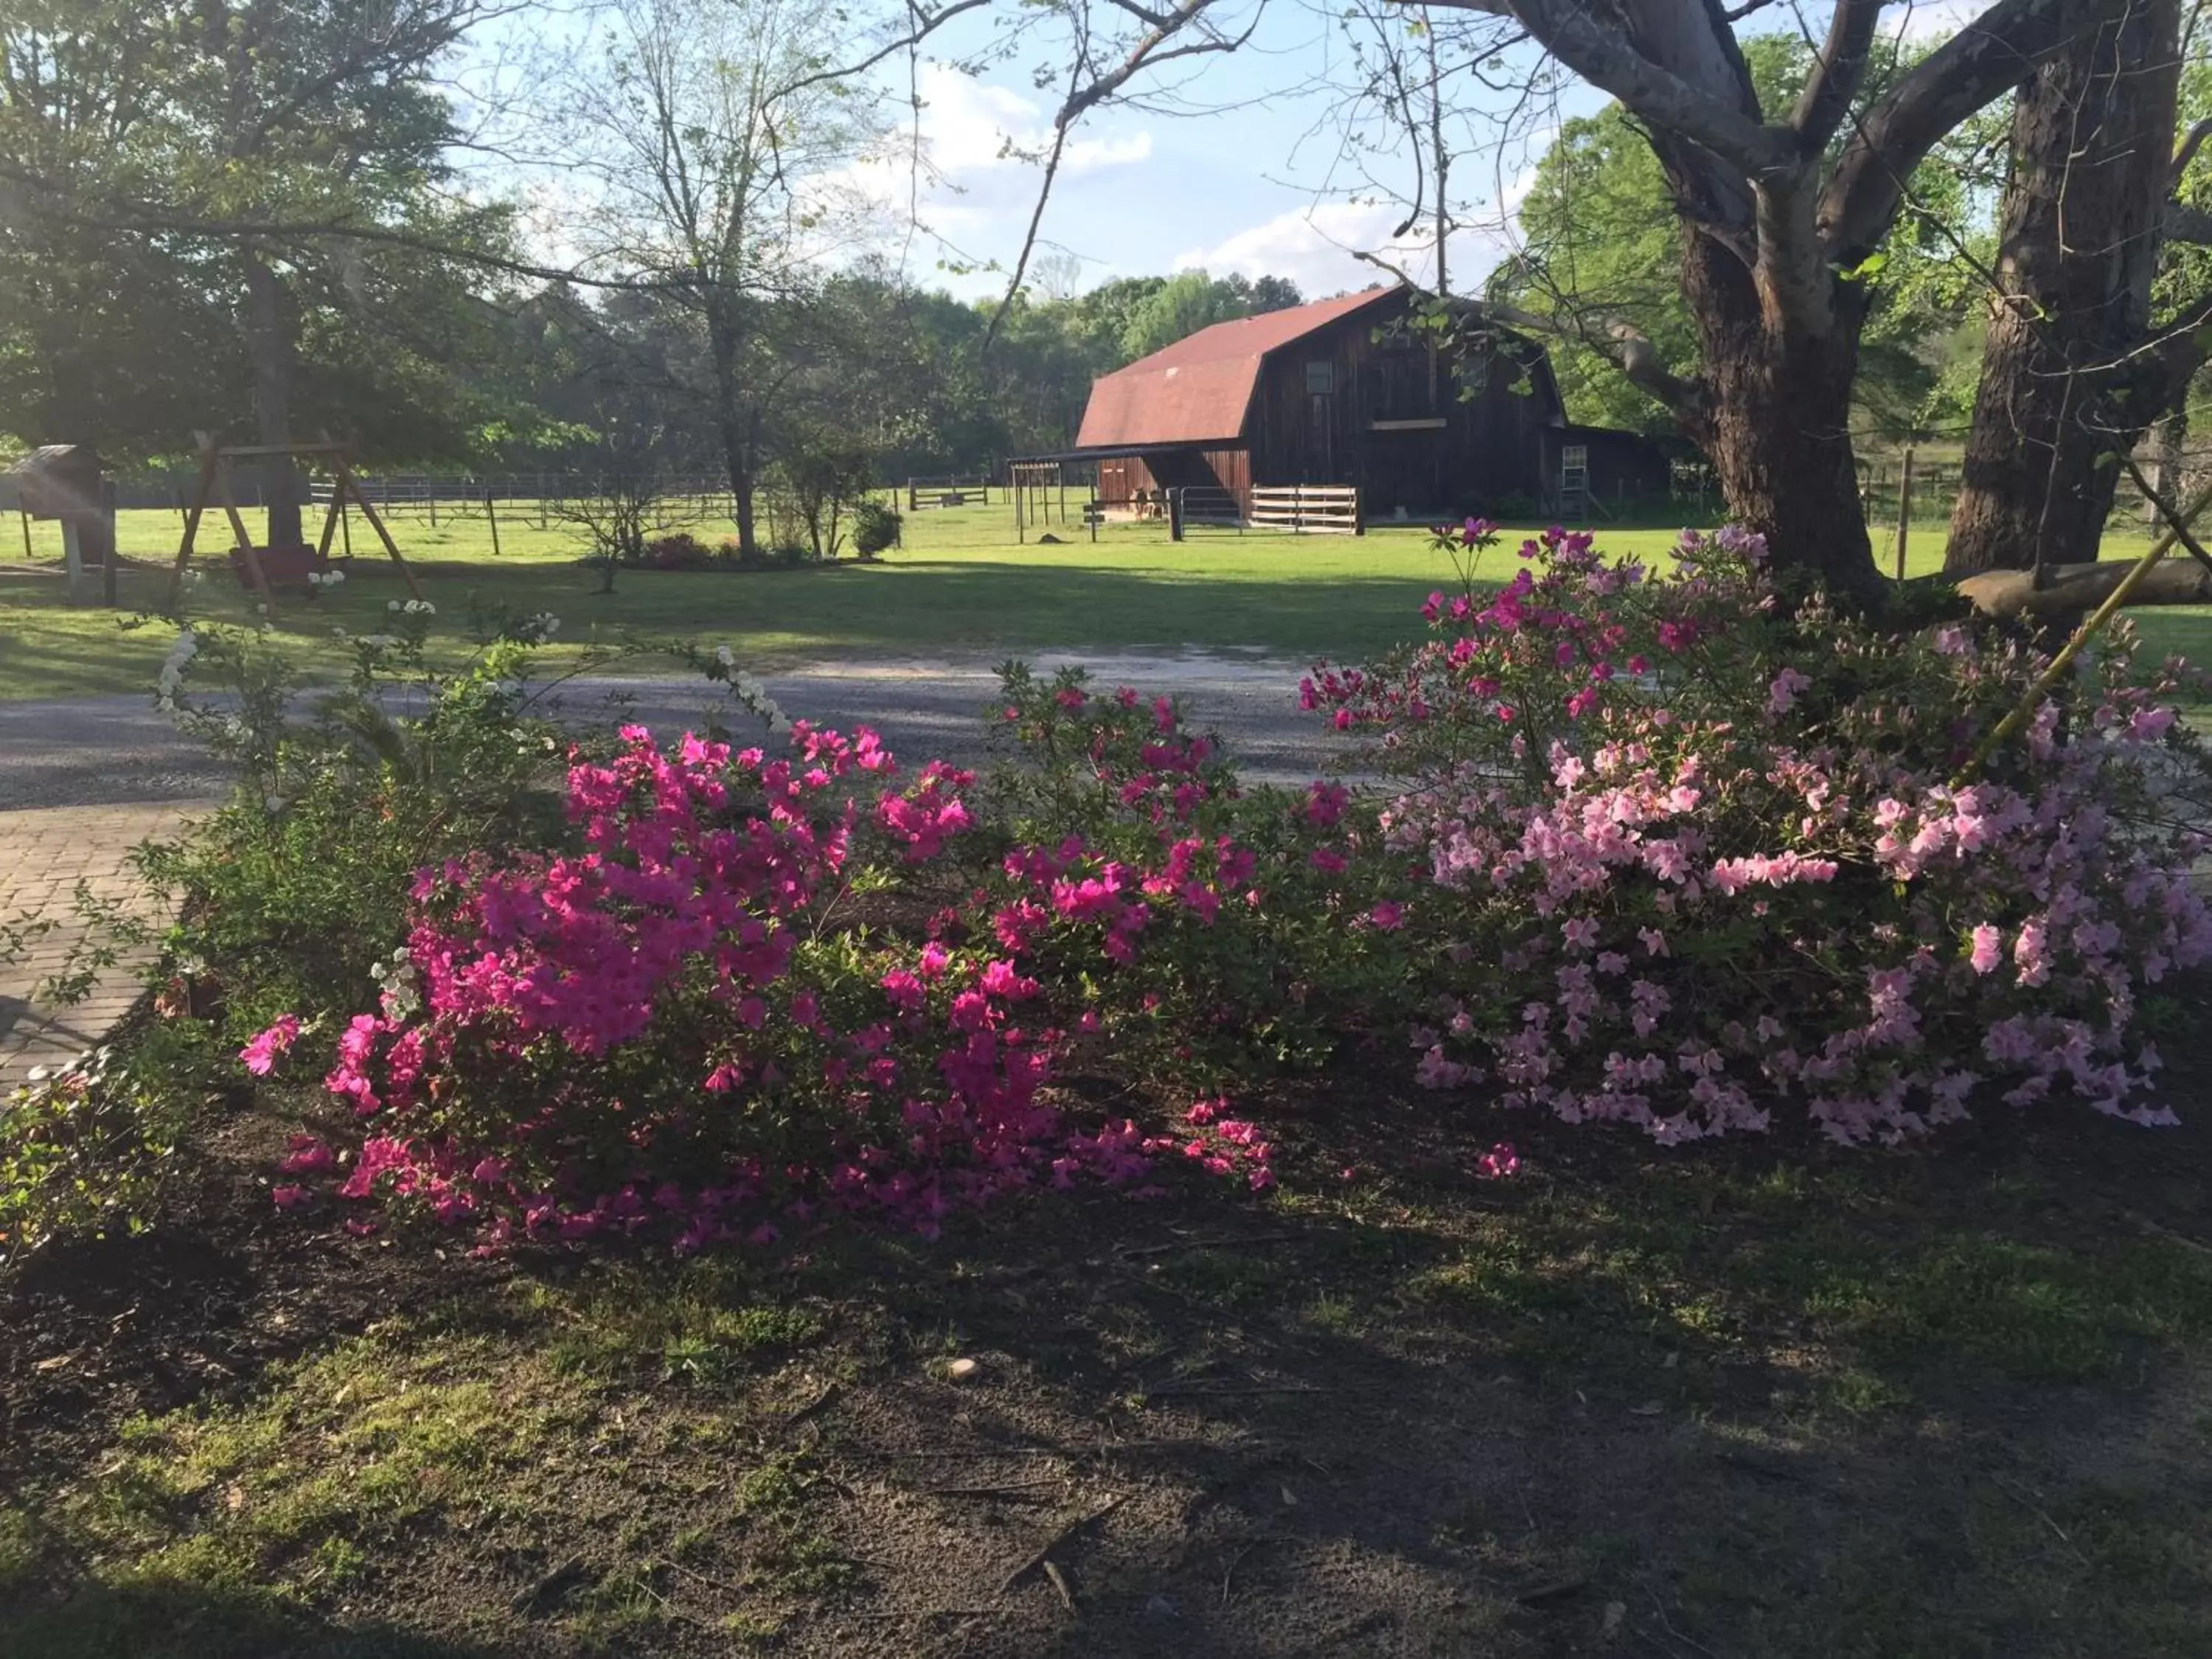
<point x="960" y="585"/>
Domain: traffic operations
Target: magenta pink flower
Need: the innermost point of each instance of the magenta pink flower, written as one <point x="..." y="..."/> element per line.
<point x="1388" y="915"/>
<point x="260" y="1055"/>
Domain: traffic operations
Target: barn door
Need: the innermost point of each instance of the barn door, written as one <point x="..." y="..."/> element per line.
<point x="1320" y="459"/>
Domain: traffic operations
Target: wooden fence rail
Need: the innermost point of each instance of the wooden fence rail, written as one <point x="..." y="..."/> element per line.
<point x="1307" y="509"/>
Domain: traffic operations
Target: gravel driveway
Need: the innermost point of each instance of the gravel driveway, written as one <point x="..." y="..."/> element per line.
<point x="108" y="751"/>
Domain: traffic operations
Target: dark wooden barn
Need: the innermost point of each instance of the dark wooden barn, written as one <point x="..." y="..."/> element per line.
<point x="1335" y="392"/>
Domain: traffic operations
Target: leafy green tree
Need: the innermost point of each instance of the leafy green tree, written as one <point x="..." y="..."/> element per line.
<point x="1602" y="238"/>
<point x="233" y="211"/>
<point x="1190" y="301"/>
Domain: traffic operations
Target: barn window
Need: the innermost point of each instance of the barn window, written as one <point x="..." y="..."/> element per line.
<point x="1321" y="377"/>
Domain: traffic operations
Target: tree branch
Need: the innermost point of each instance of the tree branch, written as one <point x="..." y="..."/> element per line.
<point x="2186" y="153"/>
<point x="926" y="23"/>
<point x="1602" y="55"/>
<point x="1983" y="61"/>
<point x="1150" y="51"/>
<point x="1621" y="343"/>
<point x="1838" y="71"/>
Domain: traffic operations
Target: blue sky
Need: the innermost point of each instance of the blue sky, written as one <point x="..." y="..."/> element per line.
<point x="1252" y="184"/>
<point x="1255" y="185"/>
<point x="1245" y="174"/>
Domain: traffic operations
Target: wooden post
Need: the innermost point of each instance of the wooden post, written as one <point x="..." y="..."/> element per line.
<point x="1175" y="516"/>
<point x="544" y="503"/>
<point x="247" y="549"/>
<point x="338" y="476"/>
<point x="430" y="489"/>
<point x="492" y="513"/>
<point x="107" y="576"/>
<point x="25" y="518"/>
<point x="192" y="518"/>
<point x="389" y="546"/>
<point x="1903" y="510"/>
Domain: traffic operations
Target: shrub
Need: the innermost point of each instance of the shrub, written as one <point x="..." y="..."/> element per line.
<point x="679" y="550"/>
<point x="875" y="527"/>
<point x="655" y="1029"/>
<point x="85" y="1148"/>
<point x="1714" y="847"/>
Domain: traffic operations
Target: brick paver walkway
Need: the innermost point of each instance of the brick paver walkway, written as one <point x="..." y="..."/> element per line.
<point x="44" y="854"/>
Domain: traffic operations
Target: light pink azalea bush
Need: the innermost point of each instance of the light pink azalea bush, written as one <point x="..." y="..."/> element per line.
<point x="1695" y="857"/>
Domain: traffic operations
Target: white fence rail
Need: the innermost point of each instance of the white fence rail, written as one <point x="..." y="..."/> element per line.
<point x="1306" y="509"/>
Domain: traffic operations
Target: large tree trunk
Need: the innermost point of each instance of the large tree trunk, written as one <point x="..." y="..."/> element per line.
<point x="2080" y="233"/>
<point x="270" y="345"/>
<point x="1775" y="423"/>
<point x="734" y="425"/>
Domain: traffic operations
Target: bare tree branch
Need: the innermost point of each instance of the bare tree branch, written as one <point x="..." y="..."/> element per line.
<point x="1150" y="51"/>
<point x="926" y="23"/>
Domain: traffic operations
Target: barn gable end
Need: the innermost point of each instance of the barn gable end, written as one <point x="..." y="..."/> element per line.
<point x="1331" y="393"/>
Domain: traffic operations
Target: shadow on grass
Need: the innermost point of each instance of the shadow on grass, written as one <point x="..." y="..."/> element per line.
<point x="167" y="1619"/>
<point x="1781" y="1400"/>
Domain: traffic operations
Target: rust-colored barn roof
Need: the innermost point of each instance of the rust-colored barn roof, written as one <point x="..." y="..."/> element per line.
<point x="1197" y="390"/>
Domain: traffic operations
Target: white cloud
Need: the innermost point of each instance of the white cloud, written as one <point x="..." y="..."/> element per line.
<point x="1926" y="21"/>
<point x="1314" y="246"/>
<point x="970" y="127"/>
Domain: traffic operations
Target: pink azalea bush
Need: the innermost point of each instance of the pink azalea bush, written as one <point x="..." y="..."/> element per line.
<point x="1215" y="929"/>
<point x="1666" y="847"/>
<point x="1694" y="856"/>
<point x="657" y="1031"/>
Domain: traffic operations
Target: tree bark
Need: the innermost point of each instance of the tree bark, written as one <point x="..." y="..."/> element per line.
<point x="2080" y="233"/>
<point x="734" y="424"/>
<point x="2166" y="467"/>
<point x="272" y="349"/>
<point x="1776" y="421"/>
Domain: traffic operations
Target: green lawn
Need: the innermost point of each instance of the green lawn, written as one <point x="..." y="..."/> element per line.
<point x="960" y="584"/>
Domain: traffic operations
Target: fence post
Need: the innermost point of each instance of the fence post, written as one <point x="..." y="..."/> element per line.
<point x="492" y="513"/>
<point x="430" y="489"/>
<point x="1903" y="510"/>
<point x="1175" y="516"/>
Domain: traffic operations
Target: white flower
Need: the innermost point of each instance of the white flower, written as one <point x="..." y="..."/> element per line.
<point x="337" y="632"/>
<point x="722" y="655"/>
<point x="391" y="604"/>
<point x="334" y="577"/>
<point x="261" y="609"/>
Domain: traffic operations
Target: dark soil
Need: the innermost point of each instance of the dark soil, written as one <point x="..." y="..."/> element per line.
<point x="1946" y="1401"/>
